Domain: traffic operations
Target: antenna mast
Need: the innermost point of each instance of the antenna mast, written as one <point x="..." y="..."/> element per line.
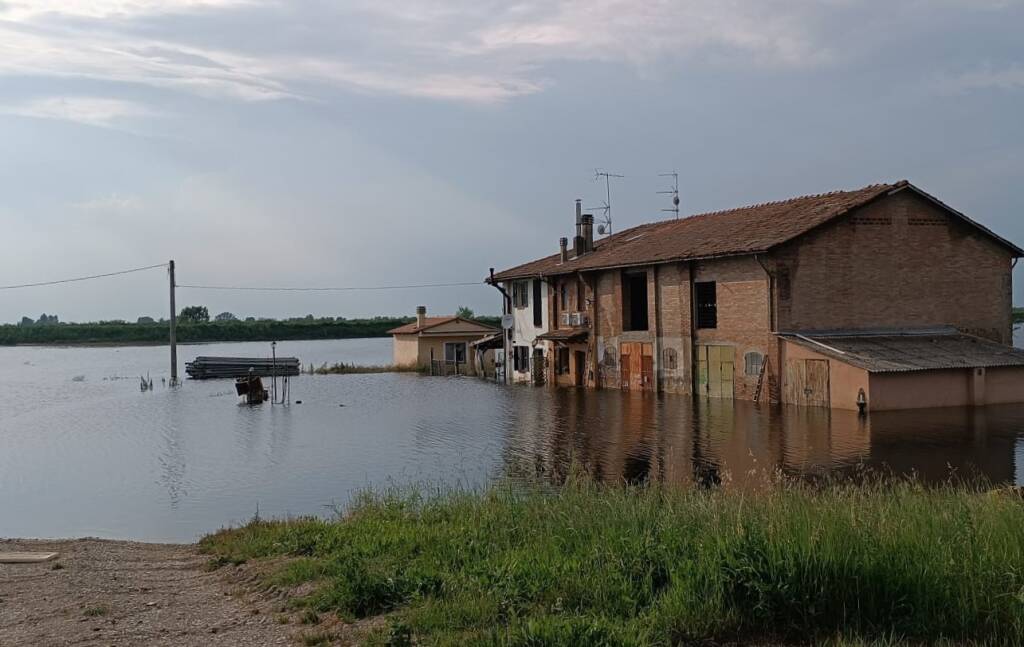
<point x="674" y="191"/>
<point x="605" y="228"/>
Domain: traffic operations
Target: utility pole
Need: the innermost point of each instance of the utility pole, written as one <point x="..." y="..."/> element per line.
<point x="174" y="329"/>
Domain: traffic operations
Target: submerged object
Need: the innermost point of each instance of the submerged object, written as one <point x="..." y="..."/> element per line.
<point x="251" y="388"/>
<point x="205" y="368"/>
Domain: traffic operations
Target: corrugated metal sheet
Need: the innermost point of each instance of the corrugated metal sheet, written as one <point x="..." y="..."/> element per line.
<point x="912" y="351"/>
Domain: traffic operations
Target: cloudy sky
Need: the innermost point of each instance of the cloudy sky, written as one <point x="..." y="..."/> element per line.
<point x="361" y="143"/>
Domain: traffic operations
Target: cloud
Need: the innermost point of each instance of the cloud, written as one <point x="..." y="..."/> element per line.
<point x="92" y="111"/>
<point x="474" y="51"/>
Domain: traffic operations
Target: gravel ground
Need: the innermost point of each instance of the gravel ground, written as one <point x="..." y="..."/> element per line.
<point x="124" y="593"/>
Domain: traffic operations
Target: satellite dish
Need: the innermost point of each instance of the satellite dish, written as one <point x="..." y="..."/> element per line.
<point x="601" y="229"/>
<point x="675" y="200"/>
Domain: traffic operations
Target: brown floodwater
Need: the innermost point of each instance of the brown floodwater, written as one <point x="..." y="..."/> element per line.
<point x="84" y="453"/>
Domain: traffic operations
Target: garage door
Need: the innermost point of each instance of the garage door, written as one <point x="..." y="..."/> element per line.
<point x="807" y="382"/>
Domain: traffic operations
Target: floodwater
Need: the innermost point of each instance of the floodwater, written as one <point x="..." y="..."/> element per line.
<point x="85" y="454"/>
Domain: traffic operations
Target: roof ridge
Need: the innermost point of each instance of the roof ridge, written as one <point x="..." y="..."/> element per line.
<point x="809" y="196"/>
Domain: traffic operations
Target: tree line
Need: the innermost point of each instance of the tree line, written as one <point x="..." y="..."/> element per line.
<point x="196" y="325"/>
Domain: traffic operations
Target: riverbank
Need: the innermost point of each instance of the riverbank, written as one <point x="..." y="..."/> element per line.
<point x="613" y="566"/>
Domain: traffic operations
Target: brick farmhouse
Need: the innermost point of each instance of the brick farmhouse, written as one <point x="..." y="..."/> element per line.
<point x="881" y="298"/>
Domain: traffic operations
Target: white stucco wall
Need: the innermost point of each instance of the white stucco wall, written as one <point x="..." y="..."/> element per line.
<point x="524" y="332"/>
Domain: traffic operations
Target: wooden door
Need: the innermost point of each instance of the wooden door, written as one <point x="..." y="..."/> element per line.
<point x="807" y="382"/>
<point x="637" y="366"/>
<point x="715" y="371"/>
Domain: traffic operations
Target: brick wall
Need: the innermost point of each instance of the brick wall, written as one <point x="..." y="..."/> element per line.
<point x="898" y="262"/>
<point x="743" y="319"/>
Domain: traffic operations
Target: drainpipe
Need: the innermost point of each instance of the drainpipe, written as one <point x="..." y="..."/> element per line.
<point x="506" y="308"/>
<point x="772" y="323"/>
<point x="694" y="364"/>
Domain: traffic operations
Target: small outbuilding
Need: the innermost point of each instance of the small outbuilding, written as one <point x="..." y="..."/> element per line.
<point x="444" y="345"/>
<point x="908" y="369"/>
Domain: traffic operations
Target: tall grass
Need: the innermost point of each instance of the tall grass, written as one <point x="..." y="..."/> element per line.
<point x="649" y="566"/>
<point x="342" y="368"/>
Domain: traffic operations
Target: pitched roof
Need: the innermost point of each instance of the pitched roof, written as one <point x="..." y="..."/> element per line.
<point x="887" y="352"/>
<point x="432" y="322"/>
<point x="746" y="230"/>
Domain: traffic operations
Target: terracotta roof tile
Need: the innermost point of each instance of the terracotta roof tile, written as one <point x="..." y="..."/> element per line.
<point x="430" y="322"/>
<point x="747" y="230"/>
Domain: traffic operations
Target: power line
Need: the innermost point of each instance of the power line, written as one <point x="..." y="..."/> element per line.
<point x="328" y="289"/>
<point x="81" y="278"/>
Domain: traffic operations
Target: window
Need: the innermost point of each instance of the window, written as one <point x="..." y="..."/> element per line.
<point x="706" y="297"/>
<point x="521" y="358"/>
<point x="520" y="294"/>
<point x="562" y="361"/>
<point x="634" y="301"/>
<point x="455" y="352"/>
<point x="670" y="359"/>
<point x="538" y="303"/>
<point x="564" y="295"/>
<point x="784" y="284"/>
<point x="753" y="361"/>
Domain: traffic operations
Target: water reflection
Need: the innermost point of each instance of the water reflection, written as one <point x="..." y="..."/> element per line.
<point x="100" y="458"/>
<point x="631" y="438"/>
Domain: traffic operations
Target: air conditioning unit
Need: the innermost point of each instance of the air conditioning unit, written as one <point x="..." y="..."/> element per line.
<point x="567" y="319"/>
<point x="577" y="319"/>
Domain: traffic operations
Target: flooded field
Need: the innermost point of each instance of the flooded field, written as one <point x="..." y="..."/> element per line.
<point x="84" y="453"/>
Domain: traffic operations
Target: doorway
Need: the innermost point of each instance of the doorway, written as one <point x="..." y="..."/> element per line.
<point x="807" y="382"/>
<point x="715" y="371"/>
<point x="580" y="367"/>
<point x="637" y="366"/>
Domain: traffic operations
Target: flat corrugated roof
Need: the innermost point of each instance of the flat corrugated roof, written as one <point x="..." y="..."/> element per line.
<point x="910" y="351"/>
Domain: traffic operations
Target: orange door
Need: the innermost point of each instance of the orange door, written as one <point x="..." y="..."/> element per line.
<point x="637" y="366"/>
<point x="625" y="367"/>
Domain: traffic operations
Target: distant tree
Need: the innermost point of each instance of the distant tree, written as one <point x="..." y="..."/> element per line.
<point x="250" y="319"/>
<point x="465" y="312"/>
<point x="194" y="314"/>
<point x="225" y="316"/>
<point x="27" y="321"/>
<point x="47" y="320"/>
<point x="145" y="320"/>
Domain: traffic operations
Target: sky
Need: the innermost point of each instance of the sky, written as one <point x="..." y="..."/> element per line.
<point x="354" y="144"/>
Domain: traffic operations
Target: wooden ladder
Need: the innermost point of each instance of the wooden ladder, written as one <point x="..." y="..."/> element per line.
<point x="760" y="379"/>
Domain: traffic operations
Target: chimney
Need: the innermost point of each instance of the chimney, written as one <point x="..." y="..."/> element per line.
<point x="577" y="241"/>
<point x="421" y="316"/>
<point x="563" y="248"/>
<point x="588" y="232"/>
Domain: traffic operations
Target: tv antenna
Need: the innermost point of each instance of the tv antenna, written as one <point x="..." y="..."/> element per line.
<point x="605" y="228"/>
<point x="674" y="191"/>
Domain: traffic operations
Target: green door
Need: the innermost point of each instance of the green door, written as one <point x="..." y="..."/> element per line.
<point x="715" y="371"/>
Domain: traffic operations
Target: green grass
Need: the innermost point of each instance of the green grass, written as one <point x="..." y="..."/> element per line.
<point x="352" y="369"/>
<point x="96" y="611"/>
<point x="1018" y="315"/>
<point x="585" y="564"/>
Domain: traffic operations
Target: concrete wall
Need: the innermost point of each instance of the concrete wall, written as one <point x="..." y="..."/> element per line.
<point x="405" y="350"/>
<point x="898" y="262"/>
<point x="919" y="390"/>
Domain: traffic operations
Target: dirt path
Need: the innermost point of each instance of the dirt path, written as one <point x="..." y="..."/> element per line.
<point x="123" y="593"/>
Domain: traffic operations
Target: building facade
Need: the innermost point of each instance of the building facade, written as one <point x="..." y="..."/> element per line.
<point x="443" y="345"/>
<point x="709" y="304"/>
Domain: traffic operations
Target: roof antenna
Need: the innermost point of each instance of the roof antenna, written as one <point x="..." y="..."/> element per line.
<point x="674" y="191"/>
<point x="605" y="228"/>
